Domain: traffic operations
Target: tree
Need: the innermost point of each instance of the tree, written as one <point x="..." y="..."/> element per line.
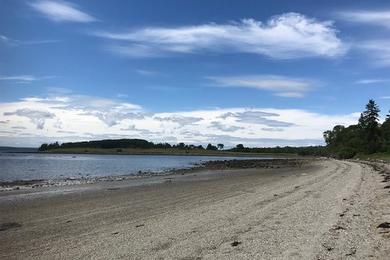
<point x="43" y="147"/>
<point x="240" y="146"/>
<point x="385" y="134"/>
<point x="220" y="146"/>
<point x="211" y="147"/>
<point x="369" y="125"/>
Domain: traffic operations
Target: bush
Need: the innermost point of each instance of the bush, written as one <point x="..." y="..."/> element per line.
<point x="346" y="153"/>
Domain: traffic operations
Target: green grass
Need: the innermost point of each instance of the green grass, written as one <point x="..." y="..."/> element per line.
<point x="376" y="156"/>
<point x="172" y="151"/>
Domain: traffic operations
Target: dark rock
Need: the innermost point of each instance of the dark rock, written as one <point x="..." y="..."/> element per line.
<point x="9" y="225"/>
<point x="384" y="225"/>
<point x="353" y="252"/>
<point x="339" y="228"/>
<point x="235" y="243"/>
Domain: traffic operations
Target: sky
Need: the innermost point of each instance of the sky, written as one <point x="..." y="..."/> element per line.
<point x="260" y="73"/>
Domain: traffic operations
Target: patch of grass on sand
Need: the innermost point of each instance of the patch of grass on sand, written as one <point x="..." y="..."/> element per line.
<point x="376" y="156"/>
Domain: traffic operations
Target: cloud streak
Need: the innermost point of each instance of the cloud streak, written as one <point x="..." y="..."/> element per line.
<point x="61" y="11"/>
<point x="286" y="36"/>
<point x="371" y="81"/>
<point x="23" y="78"/>
<point x="12" y="42"/>
<point x="377" y="18"/>
<point x="278" y="85"/>
<point x="377" y="50"/>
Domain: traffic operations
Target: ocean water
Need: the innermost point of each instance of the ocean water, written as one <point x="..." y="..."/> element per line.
<point x="35" y="166"/>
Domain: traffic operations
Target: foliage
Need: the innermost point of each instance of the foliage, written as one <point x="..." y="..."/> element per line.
<point x="211" y="147"/>
<point x="120" y="144"/>
<point x="308" y="150"/>
<point x="367" y="137"/>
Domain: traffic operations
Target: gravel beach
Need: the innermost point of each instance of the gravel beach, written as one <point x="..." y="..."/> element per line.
<point x="326" y="209"/>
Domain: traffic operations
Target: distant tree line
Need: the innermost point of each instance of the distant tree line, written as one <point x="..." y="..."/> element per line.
<point x="304" y="150"/>
<point x="368" y="136"/>
<point x="126" y="143"/>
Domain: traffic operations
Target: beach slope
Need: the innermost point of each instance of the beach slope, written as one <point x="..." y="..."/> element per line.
<point x="327" y="210"/>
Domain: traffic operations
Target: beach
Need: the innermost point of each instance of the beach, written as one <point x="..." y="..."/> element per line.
<point x="322" y="209"/>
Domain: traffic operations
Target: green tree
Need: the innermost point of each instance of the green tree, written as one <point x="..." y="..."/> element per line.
<point x="369" y="125"/>
<point x="220" y="146"/>
<point x="385" y="132"/>
<point x="211" y="147"/>
<point x="240" y="146"/>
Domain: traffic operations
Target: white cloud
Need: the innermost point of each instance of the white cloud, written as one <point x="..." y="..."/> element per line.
<point x="257" y="117"/>
<point x="23" y="78"/>
<point x="378" y="51"/>
<point x="75" y="118"/>
<point x="285" y="36"/>
<point x="279" y="85"/>
<point x="371" y="81"/>
<point x="378" y="18"/>
<point x="61" y="11"/>
<point x="144" y="72"/>
<point x="385" y="97"/>
<point x="37" y="117"/>
<point x="13" y="42"/>
<point x="179" y="119"/>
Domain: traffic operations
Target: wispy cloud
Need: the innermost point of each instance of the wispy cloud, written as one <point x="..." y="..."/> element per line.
<point x="377" y="50"/>
<point x="385" y="97"/>
<point x="179" y="119"/>
<point x="13" y="42"/>
<point x="278" y="85"/>
<point x="61" y="11"/>
<point x="378" y="18"/>
<point x="257" y="117"/>
<point x="144" y="72"/>
<point x="37" y="117"/>
<point x="23" y="78"/>
<point x="371" y="81"/>
<point x="285" y="36"/>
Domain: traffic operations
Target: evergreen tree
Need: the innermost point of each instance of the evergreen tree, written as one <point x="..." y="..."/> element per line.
<point x="385" y="132"/>
<point x="369" y="126"/>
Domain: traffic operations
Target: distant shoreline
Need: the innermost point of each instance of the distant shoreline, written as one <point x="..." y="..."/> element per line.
<point x="173" y="152"/>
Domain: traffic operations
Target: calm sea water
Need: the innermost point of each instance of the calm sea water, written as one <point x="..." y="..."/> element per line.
<point x="31" y="166"/>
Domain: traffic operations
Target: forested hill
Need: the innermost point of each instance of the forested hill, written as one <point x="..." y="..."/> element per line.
<point x="115" y="143"/>
<point x="367" y="137"/>
<point x="130" y="145"/>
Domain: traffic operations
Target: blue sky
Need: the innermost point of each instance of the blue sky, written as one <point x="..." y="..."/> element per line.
<point x="261" y="73"/>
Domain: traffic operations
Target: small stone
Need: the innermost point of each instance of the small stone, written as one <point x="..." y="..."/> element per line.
<point x="235" y="243"/>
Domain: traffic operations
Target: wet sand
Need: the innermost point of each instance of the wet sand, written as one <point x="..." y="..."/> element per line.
<point x="324" y="210"/>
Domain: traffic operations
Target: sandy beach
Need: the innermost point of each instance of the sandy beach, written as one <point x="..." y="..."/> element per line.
<point x="326" y="209"/>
